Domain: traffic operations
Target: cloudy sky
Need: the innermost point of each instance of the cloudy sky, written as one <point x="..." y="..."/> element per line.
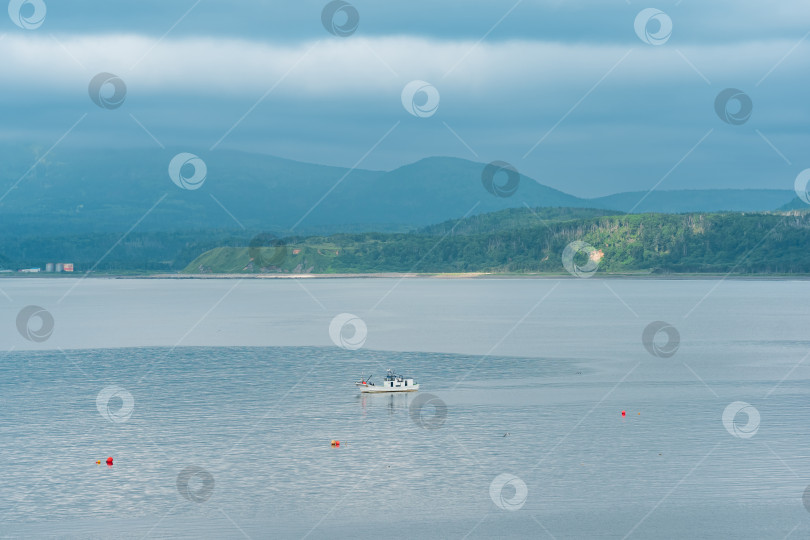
<point x="588" y="96"/>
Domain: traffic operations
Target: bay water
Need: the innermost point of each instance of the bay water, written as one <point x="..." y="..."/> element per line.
<point x="218" y="400"/>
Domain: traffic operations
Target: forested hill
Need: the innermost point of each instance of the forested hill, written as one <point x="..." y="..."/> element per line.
<point x="772" y="243"/>
<point x="513" y="218"/>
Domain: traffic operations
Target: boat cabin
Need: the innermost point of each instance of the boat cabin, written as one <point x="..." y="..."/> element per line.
<point x="397" y="381"/>
<point x="391" y="383"/>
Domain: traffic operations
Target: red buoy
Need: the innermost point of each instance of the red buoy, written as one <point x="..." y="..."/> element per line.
<point x="109" y="461"/>
<point x="624" y="413"/>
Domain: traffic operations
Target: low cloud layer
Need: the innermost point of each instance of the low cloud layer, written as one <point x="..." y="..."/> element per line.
<point x="363" y="66"/>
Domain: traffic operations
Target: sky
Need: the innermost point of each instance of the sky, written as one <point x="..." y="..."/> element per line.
<point x="591" y="97"/>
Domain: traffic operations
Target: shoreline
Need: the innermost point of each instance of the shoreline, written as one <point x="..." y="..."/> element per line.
<point x="416" y="275"/>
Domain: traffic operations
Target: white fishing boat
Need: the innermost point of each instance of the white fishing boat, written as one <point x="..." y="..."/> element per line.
<point x="391" y="383"/>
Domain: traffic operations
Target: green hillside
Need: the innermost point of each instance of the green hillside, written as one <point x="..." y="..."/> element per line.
<point x="513" y="218"/>
<point x="302" y="257"/>
<point x="717" y="243"/>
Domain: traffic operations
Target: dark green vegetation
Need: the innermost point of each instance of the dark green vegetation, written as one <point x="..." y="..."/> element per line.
<point x="524" y="241"/>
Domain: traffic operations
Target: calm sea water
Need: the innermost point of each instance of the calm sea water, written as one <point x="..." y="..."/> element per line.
<point x="523" y="378"/>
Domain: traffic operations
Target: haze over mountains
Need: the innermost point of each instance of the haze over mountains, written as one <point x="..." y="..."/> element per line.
<point x="80" y="191"/>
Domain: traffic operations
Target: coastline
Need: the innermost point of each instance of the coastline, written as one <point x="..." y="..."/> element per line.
<point x="429" y="275"/>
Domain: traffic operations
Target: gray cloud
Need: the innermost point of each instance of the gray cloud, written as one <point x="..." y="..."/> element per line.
<point x="591" y="21"/>
<point x="534" y="77"/>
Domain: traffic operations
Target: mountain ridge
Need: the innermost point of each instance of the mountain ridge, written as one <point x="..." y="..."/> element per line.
<point x="80" y="191"/>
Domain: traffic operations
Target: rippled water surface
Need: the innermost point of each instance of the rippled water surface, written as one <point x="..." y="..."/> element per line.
<point x="528" y="378"/>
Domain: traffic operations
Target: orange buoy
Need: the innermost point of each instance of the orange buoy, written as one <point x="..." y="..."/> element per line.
<point x="624" y="413"/>
<point x="98" y="462"/>
<point x="109" y="461"/>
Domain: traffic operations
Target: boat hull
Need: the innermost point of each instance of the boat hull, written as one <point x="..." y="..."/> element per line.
<point x="376" y="390"/>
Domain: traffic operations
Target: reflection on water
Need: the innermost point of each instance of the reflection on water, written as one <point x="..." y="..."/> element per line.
<point x="394" y="403"/>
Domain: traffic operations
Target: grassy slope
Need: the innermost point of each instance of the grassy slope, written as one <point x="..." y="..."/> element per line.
<point x="296" y="258"/>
